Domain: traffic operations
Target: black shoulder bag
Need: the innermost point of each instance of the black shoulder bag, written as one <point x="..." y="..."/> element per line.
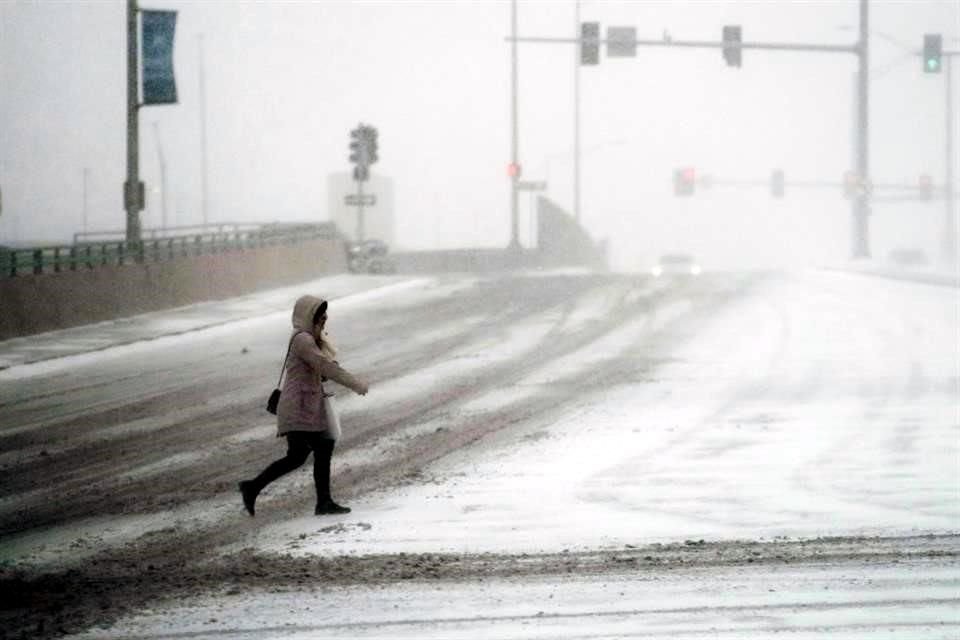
<point x="275" y="396"/>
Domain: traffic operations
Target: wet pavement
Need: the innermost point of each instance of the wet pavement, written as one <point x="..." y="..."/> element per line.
<point x="150" y="326"/>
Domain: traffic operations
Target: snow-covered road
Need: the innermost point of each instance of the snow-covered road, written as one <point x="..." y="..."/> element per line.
<point x="534" y="422"/>
<point x="817" y="405"/>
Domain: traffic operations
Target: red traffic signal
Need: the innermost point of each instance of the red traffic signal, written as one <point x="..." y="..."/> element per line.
<point x="513" y="170"/>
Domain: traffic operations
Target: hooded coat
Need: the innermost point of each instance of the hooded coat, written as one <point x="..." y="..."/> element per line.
<point x="307" y="364"/>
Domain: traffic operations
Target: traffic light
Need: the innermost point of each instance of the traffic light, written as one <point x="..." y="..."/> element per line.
<point x="356" y="146"/>
<point x="684" y="181"/>
<point x="363" y="150"/>
<point x="589" y="43"/>
<point x="777" y="183"/>
<point x="932" y="52"/>
<point x="731" y="44"/>
<point x="369" y="137"/>
<point x="926" y="187"/>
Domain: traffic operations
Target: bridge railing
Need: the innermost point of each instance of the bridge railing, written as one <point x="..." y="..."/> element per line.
<point x="156" y="247"/>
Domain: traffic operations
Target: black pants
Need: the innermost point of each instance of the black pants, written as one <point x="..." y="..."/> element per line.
<point x="299" y="446"/>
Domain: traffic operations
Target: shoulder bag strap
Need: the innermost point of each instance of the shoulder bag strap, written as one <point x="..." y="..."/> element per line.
<point x="283" y="365"/>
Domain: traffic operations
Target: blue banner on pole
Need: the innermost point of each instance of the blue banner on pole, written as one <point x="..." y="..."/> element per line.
<point x="159" y="85"/>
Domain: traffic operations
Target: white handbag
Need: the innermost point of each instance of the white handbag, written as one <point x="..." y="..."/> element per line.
<point x="333" y="416"/>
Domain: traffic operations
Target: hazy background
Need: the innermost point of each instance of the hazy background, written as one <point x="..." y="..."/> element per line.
<point x="286" y="81"/>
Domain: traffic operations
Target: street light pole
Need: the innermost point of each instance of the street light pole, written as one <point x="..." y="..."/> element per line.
<point x="576" y="116"/>
<point x="132" y="200"/>
<point x="949" y="221"/>
<point x="861" y="204"/>
<point x="514" y="214"/>
<point x="949" y="238"/>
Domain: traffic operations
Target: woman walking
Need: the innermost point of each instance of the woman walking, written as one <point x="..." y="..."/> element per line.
<point x="311" y="359"/>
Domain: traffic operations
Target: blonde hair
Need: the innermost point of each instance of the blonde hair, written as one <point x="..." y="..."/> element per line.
<point x="327" y="349"/>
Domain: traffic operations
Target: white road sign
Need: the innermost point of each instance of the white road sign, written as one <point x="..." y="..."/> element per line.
<point x="532" y="186"/>
<point x="369" y="199"/>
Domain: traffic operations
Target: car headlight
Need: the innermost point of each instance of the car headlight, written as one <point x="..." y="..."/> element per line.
<point x="695" y="269"/>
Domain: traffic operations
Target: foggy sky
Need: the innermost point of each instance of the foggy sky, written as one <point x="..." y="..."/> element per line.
<point x="286" y="81"/>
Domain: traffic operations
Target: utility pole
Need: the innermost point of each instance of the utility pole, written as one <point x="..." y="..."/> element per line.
<point x="949" y="219"/>
<point x="133" y="195"/>
<point x="576" y="116"/>
<point x="861" y="204"/>
<point x="361" y="230"/>
<point x="514" y="214"/>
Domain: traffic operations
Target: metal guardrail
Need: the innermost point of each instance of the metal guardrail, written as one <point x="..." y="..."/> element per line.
<point x="155" y="233"/>
<point x="93" y="255"/>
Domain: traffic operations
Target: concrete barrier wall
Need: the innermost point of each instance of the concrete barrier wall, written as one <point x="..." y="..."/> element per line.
<point x="463" y="260"/>
<point x="32" y="304"/>
<point x="37" y="303"/>
<point x="562" y="241"/>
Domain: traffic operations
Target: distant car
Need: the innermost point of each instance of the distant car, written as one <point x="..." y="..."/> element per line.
<point x="676" y="264"/>
<point x="369" y="257"/>
<point x="908" y="257"/>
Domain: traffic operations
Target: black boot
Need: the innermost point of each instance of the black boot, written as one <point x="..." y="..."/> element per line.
<point x="329" y="507"/>
<point x="249" y="493"/>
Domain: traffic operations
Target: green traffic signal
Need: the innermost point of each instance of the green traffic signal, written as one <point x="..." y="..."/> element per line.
<point x="932" y="52"/>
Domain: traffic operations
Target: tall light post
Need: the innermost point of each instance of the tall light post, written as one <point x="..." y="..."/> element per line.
<point x="949" y="218"/>
<point x="514" y="144"/>
<point x="861" y="204"/>
<point x="133" y="200"/>
<point x="576" y="115"/>
<point x="949" y="234"/>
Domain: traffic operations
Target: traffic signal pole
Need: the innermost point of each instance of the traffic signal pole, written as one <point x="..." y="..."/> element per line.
<point x="363" y="154"/>
<point x="514" y="144"/>
<point x="360" y="222"/>
<point x="861" y="204"/>
<point x="697" y="44"/>
<point x="949" y="219"/>
<point x="576" y="118"/>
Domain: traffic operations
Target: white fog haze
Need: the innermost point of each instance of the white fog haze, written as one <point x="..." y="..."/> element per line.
<point x="285" y="82"/>
<point x="442" y="320"/>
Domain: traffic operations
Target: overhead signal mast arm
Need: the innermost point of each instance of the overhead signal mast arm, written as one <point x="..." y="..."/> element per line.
<point x="696" y="44"/>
